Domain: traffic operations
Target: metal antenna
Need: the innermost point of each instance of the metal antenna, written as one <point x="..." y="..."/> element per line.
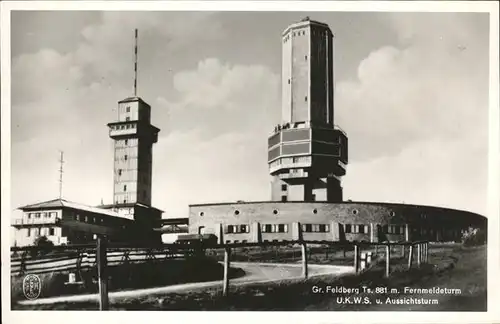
<point x="61" y="161"/>
<point x="135" y="63"/>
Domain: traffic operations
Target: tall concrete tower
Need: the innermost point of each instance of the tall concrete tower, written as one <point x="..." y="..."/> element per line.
<point x="134" y="137"/>
<point x="307" y="153"/>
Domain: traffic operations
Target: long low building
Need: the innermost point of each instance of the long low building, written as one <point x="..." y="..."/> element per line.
<point x="66" y="222"/>
<point x="317" y="221"/>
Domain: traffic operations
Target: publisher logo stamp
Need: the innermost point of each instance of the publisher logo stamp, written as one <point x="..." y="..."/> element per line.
<point x="32" y="286"/>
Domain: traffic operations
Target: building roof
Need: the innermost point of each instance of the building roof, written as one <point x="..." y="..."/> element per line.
<point x="122" y="205"/>
<point x="305" y="22"/>
<point x="132" y="99"/>
<point x="62" y="203"/>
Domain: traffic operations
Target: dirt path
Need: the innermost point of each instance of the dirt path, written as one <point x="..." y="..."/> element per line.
<point x="254" y="273"/>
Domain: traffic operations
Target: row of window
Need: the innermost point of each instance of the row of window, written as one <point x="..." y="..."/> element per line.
<point x="88" y="219"/>
<point x="233" y="229"/>
<point x="47" y="231"/>
<point x="315" y="228"/>
<point x="274" y="228"/>
<point x="394" y="229"/>
<point x="122" y="127"/>
<point x="44" y="215"/>
<point x="355" y="229"/>
<point x="303" y="33"/>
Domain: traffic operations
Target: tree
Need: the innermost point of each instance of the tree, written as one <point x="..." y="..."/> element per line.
<point x="43" y="244"/>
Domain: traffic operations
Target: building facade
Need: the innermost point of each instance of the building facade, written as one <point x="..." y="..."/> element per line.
<point x="323" y="221"/>
<point x="65" y="222"/>
<point x="307" y="153"/>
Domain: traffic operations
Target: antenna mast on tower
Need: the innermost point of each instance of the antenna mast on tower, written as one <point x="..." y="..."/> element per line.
<point x="61" y="161"/>
<point x="135" y="62"/>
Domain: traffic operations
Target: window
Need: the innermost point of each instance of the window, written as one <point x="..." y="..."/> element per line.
<point x="77" y="217"/>
<point x="51" y="231"/>
<point x="315" y="211"/>
<point x="315" y="228"/>
<point x="124" y="201"/>
<point x="267" y="228"/>
<point x="126" y="142"/>
<point x="128" y="109"/>
<point x="120" y="172"/>
<point x="356" y="229"/>
<point x="124" y="187"/>
<point x="236" y="212"/>
<point x="29" y="215"/>
<point x="202" y="213"/>
<point x="283" y="187"/>
<point x="127" y="119"/>
<point x="288" y="81"/>
<point x="275" y="212"/>
<point x="305" y="57"/>
<point x="53" y="214"/>
<point x="394" y="229"/>
<point x="355" y="211"/>
<point x="283" y="198"/>
<point x="126" y="157"/>
<point x="275" y="228"/>
<point x="29" y="232"/>
<point x="86" y="219"/>
<point x="305" y="98"/>
<point x="37" y="215"/>
<point x="238" y="229"/>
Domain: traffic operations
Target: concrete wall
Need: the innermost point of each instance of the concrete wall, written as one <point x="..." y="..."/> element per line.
<point x="408" y="222"/>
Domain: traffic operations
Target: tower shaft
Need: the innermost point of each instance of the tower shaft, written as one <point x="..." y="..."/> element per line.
<point x="307" y="153"/>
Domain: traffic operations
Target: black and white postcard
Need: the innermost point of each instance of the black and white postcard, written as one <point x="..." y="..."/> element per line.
<point x="296" y="161"/>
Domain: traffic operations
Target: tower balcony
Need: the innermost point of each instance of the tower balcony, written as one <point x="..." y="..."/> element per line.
<point x="122" y="129"/>
<point x="133" y="128"/>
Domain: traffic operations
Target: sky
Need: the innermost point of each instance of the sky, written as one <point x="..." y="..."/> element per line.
<point x="411" y="93"/>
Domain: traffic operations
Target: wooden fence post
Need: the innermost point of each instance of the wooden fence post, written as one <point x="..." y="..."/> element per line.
<point x="304" y="261"/>
<point x="419" y="254"/>
<point x="102" y="268"/>
<point x="356" y="258"/>
<point x="387" y="260"/>
<point x="227" y="261"/>
<point x="426" y="256"/>
<point x="410" y="257"/>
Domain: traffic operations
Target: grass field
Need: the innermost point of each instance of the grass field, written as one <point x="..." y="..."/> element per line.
<point x="450" y="266"/>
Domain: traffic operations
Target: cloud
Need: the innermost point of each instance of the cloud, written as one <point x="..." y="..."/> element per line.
<point x="416" y="115"/>
<point x="218" y="98"/>
<point x="428" y="88"/>
<point x="218" y="149"/>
